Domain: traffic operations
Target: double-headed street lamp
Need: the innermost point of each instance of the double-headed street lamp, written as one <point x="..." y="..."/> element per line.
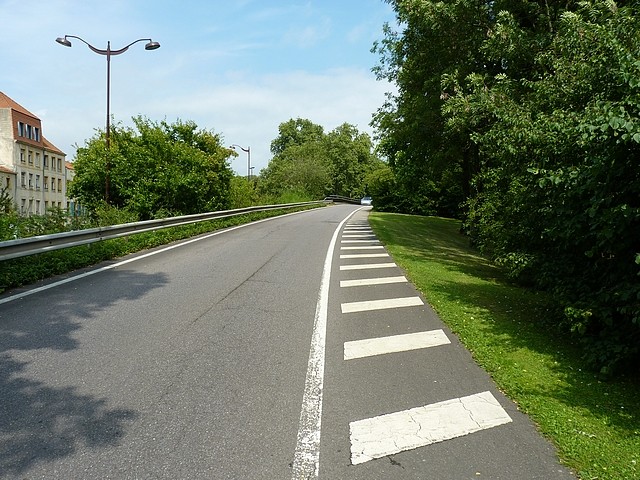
<point x="151" y="45"/>
<point x="248" y="150"/>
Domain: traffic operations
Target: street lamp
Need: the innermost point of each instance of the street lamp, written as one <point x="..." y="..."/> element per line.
<point x="150" y="45"/>
<point x="248" y="150"/>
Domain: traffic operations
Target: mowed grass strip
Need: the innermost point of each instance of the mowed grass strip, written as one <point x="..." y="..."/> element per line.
<point x="595" y="424"/>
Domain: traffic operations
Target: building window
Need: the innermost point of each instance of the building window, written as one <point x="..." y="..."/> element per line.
<point x="37" y="182"/>
<point x="36" y="134"/>
<point x="46" y="183"/>
<point x="29" y="133"/>
<point x="53" y="184"/>
<point x="22" y="155"/>
<point x="59" y="185"/>
<point x="23" y="204"/>
<point x="59" y="164"/>
<point x="30" y="182"/>
<point x="23" y="179"/>
<point x="46" y="161"/>
<point x="38" y="207"/>
<point x="20" y="129"/>
<point x="37" y="159"/>
<point x="30" y="156"/>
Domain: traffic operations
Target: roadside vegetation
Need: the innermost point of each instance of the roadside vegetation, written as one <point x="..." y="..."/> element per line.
<point x="512" y="333"/>
<point x="522" y="119"/>
<point x="159" y="170"/>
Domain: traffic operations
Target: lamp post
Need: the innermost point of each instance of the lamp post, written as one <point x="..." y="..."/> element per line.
<point x="150" y="45"/>
<point x="248" y="150"/>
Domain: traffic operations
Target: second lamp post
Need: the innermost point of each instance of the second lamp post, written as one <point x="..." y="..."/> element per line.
<point x="248" y="150"/>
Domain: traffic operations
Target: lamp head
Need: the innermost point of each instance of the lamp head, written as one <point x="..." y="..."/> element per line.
<point x="65" y="42"/>
<point x="151" y="45"/>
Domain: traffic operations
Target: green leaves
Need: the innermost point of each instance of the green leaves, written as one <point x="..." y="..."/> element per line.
<point x="532" y="110"/>
<point x="156" y="169"/>
<point x="315" y="164"/>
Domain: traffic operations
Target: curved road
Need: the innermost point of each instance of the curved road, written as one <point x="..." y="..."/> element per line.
<point x="194" y="362"/>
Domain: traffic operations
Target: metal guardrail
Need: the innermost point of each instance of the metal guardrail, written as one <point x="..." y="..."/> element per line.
<point x="339" y="198"/>
<point x="23" y="247"/>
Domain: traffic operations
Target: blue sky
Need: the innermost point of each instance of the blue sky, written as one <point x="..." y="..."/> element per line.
<point x="239" y="68"/>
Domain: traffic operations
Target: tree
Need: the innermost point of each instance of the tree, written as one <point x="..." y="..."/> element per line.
<point x="351" y="158"/>
<point x="537" y="122"/>
<point x="315" y="164"/>
<point x="157" y="169"/>
<point x="296" y="132"/>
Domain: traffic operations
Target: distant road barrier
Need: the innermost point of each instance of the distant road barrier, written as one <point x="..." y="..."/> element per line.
<point x="23" y="247"/>
<point x="338" y="198"/>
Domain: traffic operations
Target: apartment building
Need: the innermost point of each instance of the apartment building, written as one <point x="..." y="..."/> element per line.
<point x="33" y="171"/>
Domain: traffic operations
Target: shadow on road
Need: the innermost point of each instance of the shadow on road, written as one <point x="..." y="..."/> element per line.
<point x="40" y="422"/>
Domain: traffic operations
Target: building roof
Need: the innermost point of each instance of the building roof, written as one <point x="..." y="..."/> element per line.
<point x="7" y="102"/>
<point x="50" y="146"/>
<point x="4" y="169"/>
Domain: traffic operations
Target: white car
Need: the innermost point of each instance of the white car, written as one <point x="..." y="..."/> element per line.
<point x="366" y="201"/>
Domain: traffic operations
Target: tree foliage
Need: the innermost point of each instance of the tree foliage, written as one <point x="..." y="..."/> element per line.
<point x="315" y="164"/>
<point x="156" y="169"/>
<point x="523" y="118"/>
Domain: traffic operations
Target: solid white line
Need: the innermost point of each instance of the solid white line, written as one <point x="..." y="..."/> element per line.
<point x="358" y="235"/>
<point x="364" y="247"/>
<point x="396" y="432"/>
<point x="367" y="266"/>
<point x="306" y="460"/>
<point x="392" y="344"/>
<point x="365" y="282"/>
<point x="365" y="255"/>
<point x="369" y="305"/>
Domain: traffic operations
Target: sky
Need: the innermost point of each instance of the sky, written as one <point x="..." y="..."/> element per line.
<point x="238" y="68"/>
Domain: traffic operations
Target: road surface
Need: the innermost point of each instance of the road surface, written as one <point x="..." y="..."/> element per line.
<point x="289" y="348"/>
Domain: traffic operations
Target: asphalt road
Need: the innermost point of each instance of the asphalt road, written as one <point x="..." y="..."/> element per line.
<point x="197" y="362"/>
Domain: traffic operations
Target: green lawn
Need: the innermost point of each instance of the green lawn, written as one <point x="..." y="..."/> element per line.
<point x="595" y="424"/>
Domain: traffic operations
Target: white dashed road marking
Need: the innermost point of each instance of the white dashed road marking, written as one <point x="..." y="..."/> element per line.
<point x="367" y="266"/>
<point x="363" y="247"/>
<point x="366" y="306"/>
<point x="364" y="255"/>
<point x="396" y="343"/>
<point x="396" y="432"/>
<point x="373" y="281"/>
<point x="359" y="241"/>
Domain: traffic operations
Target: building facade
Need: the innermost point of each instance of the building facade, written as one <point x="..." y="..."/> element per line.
<point x="33" y="171"/>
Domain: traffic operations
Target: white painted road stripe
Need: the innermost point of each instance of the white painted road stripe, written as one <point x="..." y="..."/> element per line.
<point x="358" y="235"/>
<point x="367" y="306"/>
<point x="365" y="255"/>
<point x="372" y="281"/>
<point x="367" y="266"/>
<point x="359" y="241"/>
<point x="364" y="247"/>
<point x="306" y="458"/>
<point x="396" y="343"/>
<point x="388" y="434"/>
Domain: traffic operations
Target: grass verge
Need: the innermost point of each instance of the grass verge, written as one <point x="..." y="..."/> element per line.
<point x="595" y="424"/>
